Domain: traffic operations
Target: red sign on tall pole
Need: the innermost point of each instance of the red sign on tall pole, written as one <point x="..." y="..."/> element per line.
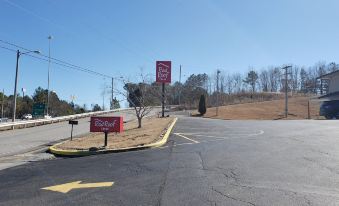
<point x="163" y="71"/>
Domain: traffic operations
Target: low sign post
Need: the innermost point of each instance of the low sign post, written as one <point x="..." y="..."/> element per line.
<point x="106" y="125"/>
<point x="163" y="75"/>
<point x="72" y="122"/>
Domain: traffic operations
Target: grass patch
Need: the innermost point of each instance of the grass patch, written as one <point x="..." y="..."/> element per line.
<point x="152" y="131"/>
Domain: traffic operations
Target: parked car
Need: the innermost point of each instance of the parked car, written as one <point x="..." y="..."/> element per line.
<point x="27" y="116"/>
<point x="330" y="109"/>
<point x="3" y="119"/>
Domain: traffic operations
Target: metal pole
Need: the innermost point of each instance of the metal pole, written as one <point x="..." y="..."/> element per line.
<point x="103" y="102"/>
<point x="106" y="133"/>
<point x="112" y="95"/>
<point x="308" y="110"/>
<point x="2" y="103"/>
<point x="163" y="100"/>
<point x="49" y="64"/>
<point x="217" y="108"/>
<point x="180" y="86"/>
<point x="286" y="94"/>
<point x="15" y="85"/>
<point x="72" y="133"/>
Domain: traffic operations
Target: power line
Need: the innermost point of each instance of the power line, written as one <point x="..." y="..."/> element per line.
<point x="56" y="61"/>
<point x="119" y="42"/>
<point x="7" y="48"/>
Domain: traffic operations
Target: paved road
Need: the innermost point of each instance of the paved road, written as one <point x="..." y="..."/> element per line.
<point x="24" y="145"/>
<point x="206" y="162"/>
<point x="22" y="140"/>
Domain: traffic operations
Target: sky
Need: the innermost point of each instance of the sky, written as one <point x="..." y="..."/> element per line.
<point x="123" y="38"/>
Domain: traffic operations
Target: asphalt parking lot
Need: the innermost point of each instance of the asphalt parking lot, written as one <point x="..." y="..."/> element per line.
<point x="206" y="162"/>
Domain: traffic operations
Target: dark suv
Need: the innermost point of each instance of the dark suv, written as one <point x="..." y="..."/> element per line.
<point x="330" y="109"/>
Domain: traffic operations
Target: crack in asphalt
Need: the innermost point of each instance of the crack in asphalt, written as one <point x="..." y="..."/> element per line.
<point x="314" y="161"/>
<point x="163" y="184"/>
<point x="232" y="198"/>
<point x="286" y="192"/>
<point x="201" y="160"/>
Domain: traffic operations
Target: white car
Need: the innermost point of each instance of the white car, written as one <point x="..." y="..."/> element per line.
<point x="27" y="116"/>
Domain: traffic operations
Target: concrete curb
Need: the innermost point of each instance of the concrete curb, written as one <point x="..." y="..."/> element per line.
<point x="73" y="153"/>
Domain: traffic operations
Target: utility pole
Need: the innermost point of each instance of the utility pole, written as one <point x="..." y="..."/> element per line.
<point x="286" y="90"/>
<point x="217" y="108"/>
<point x="112" y="94"/>
<point x="49" y="65"/>
<point x="103" y="102"/>
<point x="23" y="92"/>
<point x="180" y="85"/>
<point x="18" y="53"/>
<point x="2" y="103"/>
<point x="15" y="85"/>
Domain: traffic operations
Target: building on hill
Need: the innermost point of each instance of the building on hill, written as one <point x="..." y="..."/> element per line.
<point x="329" y="86"/>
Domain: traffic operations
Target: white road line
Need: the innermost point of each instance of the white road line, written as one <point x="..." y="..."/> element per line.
<point x="180" y="135"/>
<point x="260" y="132"/>
<point x="185" y="143"/>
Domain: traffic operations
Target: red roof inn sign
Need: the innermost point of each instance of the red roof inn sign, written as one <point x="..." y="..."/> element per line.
<point x="106" y="124"/>
<point x="163" y="71"/>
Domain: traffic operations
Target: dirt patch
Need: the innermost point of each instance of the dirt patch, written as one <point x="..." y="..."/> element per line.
<point x="151" y="131"/>
<point x="268" y="110"/>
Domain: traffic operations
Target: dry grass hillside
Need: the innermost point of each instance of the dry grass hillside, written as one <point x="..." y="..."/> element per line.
<point x="268" y="110"/>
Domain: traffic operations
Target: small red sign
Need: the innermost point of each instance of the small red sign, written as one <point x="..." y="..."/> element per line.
<point x="106" y="124"/>
<point x="163" y="73"/>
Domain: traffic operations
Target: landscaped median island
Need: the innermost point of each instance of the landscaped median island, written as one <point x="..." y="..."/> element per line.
<point x="154" y="133"/>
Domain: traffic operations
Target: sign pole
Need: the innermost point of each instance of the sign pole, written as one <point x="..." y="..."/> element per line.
<point x="106" y="133"/>
<point x="72" y="133"/>
<point x="163" y="75"/>
<point x="72" y="122"/>
<point x="2" y="103"/>
<point x="163" y="99"/>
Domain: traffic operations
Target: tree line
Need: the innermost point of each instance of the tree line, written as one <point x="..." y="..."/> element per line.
<point x="57" y="106"/>
<point x="232" y="88"/>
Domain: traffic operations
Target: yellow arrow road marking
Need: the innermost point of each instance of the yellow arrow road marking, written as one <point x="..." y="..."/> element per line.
<point x="64" y="188"/>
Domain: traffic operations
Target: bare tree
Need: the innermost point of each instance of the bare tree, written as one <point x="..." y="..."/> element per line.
<point x="264" y="80"/>
<point x="222" y="80"/>
<point x="332" y="67"/>
<point x="237" y="82"/>
<point x="274" y="75"/>
<point x="230" y="83"/>
<point x="143" y="97"/>
<point x="294" y="82"/>
<point x="303" y="80"/>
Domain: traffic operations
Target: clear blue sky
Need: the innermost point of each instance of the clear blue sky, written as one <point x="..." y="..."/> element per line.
<point x="120" y="37"/>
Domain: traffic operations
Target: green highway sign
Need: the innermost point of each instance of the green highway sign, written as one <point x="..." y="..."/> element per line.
<point x="38" y="109"/>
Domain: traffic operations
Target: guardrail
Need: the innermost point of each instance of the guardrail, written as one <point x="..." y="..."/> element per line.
<point x="37" y="122"/>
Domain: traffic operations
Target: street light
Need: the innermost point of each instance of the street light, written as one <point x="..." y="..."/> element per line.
<point x="18" y="53"/>
<point x="49" y="65"/>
